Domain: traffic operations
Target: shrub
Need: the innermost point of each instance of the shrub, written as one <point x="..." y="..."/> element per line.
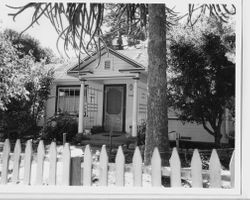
<point x="25" y="84"/>
<point x="57" y="125"/>
<point x="21" y="115"/>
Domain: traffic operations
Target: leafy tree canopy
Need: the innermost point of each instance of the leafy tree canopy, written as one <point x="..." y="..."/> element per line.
<point x="22" y="114"/>
<point x="28" y="45"/>
<point x="12" y="73"/>
<point x="24" y="82"/>
<point x="203" y="72"/>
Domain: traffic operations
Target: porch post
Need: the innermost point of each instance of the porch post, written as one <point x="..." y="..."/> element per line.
<point x="81" y="108"/>
<point x="135" y="103"/>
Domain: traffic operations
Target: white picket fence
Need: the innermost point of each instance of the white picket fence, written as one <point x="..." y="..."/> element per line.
<point x="103" y="167"/>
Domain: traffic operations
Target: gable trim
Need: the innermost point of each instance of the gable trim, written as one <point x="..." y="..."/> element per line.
<point x="75" y="69"/>
<point x="129" y="60"/>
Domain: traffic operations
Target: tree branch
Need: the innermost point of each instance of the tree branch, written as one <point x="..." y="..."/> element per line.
<point x="206" y="128"/>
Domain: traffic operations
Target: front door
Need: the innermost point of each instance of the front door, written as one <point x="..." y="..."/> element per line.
<point x="114" y="107"/>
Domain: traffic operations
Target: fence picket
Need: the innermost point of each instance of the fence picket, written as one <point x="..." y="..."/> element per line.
<point x="137" y="167"/>
<point x="215" y="170"/>
<point x="196" y="169"/>
<point x="6" y="156"/>
<point x="156" y="168"/>
<point x="27" y="162"/>
<point x="175" y="165"/>
<point x="103" y="167"/>
<point x="52" y="164"/>
<point x="87" y="167"/>
<point x="16" y="162"/>
<point x="40" y="163"/>
<point x="119" y="165"/>
<point x="66" y="164"/>
<point x="232" y="169"/>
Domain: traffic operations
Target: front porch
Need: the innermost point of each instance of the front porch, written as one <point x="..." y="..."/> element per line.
<point x="118" y="108"/>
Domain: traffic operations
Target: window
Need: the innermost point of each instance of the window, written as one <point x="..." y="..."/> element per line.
<point x="107" y="64"/>
<point x="68" y="99"/>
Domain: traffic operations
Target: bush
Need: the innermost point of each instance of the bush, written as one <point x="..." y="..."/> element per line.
<point x="57" y="125"/>
<point x="21" y="115"/>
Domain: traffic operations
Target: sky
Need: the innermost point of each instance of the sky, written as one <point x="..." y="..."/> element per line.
<point x="44" y="32"/>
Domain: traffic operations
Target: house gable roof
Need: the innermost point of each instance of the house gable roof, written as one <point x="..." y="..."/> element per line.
<point x="136" y="58"/>
<point x="137" y="55"/>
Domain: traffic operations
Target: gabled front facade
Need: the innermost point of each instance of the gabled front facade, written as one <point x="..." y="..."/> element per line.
<point x="114" y="93"/>
<point x="111" y="92"/>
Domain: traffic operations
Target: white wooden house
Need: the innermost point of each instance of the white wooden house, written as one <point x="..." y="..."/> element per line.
<point x="112" y="92"/>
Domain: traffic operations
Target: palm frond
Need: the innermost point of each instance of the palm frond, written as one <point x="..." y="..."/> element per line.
<point x="72" y="21"/>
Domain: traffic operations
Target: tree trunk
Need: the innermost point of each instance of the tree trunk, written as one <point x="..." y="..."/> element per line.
<point x="157" y="110"/>
<point x="217" y="138"/>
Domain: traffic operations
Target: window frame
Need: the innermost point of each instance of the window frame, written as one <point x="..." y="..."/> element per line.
<point x="109" y="62"/>
<point x="58" y="87"/>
